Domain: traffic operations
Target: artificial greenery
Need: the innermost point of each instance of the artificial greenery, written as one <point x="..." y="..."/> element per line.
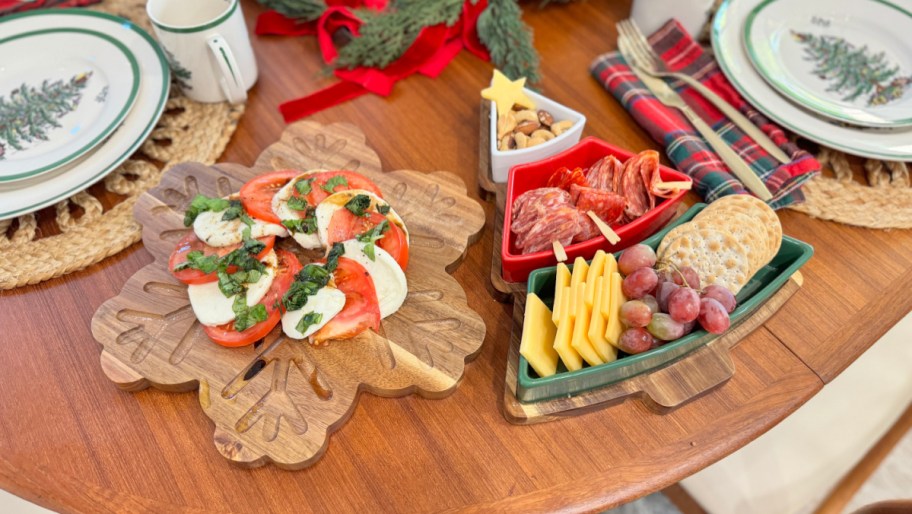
<point x="508" y="40"/>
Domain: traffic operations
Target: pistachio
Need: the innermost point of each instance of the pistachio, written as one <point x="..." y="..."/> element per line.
<point x="546" y="135"/>
<point x="561" y="127"/>
<point x="522" y="140"/>
<point x="545" y="118"/>
<point x="535" y="141"/>
<point x="507" y="143"/>
<point x="527" y="127"/>
<point x="526" y="115"/>
<point x="505" y="124"/>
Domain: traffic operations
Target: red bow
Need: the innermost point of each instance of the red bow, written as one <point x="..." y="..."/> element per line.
<point x="432" y="50"/>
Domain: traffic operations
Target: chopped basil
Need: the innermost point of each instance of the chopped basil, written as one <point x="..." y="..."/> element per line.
<point x="229" y="284"/>
<point x="234" y="211"/>
<point x="332" y="259"/>
<point x="358" y="205"/>
<point x="245" y="316"/>
<point x="372" y="236"/>
<point x="305" y="225"/>
<point x="310" y="319"/>
<point x="198" y="261"/>
<point x="383" y="209"/>
<point x="304" y="186"/>
<point x="298" y="204"/>
<point x="331" y="184"/>
<point x="307" y="282"/>
<point x="202" y="203"/>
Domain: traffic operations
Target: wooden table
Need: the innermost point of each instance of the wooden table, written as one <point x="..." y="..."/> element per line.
<point x="72" y="441"/>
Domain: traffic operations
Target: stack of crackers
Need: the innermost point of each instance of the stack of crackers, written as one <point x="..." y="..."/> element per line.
<point x="727" y="243"/>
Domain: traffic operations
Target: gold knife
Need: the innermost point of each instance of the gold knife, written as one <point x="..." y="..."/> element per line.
<point x="669" y="97"/>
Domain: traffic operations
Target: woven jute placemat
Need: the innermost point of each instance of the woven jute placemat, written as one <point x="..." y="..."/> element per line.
<point x="85" y="231"/>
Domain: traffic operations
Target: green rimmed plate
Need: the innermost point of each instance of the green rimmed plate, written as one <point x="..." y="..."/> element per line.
<point x="531" y="388"/>
<point x="62" y="92"/>
<point x="847" y="60"/>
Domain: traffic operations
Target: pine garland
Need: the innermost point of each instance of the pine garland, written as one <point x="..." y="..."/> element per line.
<point x="385" y="36"/>
<point x="303" y="10"/>
<point x="508" y="40"/>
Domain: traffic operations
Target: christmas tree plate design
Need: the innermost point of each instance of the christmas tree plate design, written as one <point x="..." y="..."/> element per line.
<point x="62" y="92"/>
<point x="728" y="46"/>
<point x="847" y="60"/>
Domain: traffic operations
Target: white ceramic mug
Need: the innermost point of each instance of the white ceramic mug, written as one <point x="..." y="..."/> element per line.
<point x="650" y="15"/>
<point x="208" y="47"/>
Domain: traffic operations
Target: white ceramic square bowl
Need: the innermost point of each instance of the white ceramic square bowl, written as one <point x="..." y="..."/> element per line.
<point x="501" y="162"/>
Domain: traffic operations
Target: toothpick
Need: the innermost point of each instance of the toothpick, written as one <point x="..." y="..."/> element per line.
<point x="683" y="185"/>
<point x="559" y="251"/>
<point x="603" y="227"/>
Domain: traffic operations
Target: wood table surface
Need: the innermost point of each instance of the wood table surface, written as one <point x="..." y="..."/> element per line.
<point x="70" y="440"/>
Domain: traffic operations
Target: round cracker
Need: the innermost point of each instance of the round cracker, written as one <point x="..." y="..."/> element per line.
<point x="717" y="256"/>
<point x="752" y="236"/>
<point x="755" y="209"/>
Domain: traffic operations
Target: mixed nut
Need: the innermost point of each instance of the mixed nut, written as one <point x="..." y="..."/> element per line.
<point x="526" y="128"/>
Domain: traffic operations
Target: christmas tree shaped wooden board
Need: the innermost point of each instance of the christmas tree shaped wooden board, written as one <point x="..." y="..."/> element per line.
<point x="278" y="401"/>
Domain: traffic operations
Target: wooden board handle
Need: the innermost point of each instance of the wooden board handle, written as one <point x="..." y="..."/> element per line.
<point x="698" y="373"/>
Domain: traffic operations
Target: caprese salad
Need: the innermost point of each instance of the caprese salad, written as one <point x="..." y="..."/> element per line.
<point x="241" y="285"/>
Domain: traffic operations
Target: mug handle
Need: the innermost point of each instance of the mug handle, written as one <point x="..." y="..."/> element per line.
<point x="231" y="81"/>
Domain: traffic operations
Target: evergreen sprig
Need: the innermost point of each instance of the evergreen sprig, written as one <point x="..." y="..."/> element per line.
<point x="386" y="35"/>
<point x="509" y="40"/>
<point x="302" y="10"/>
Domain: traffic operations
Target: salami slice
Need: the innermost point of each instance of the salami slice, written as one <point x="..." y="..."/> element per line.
<point x="564" y="178"/>
<point x="534" y="204"/>
<point x="652" y="176"/>
<point x="588" y="228"/>
<point x="562" y="224"/>
<point x="606" y="205"/>
<point x="602" y="174"/>
<point x="633" y="188"/>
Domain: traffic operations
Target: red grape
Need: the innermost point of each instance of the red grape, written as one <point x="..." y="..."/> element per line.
<point x="689" y="327"/>
<point x="665" y="328"/>
<point x="721" y="295"/>
<point x="713" y="317"/>
<point x="688" y="274"/>
<point x="636" y="257"/>
<point x="684" y="304"/>
<point x="636" y="313"/>
<point x="663" y="292"/>
<point x="635" y="340"/>
<point x="651" y="302"/>
<point x="639" y="283"/>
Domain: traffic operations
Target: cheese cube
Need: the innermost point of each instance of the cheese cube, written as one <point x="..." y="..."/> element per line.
<point x="615" y="327"/>
<point x="537" y="344"/>
<point x="595" y="270"/>
<point x="580" y="270"/>
<point x="580" y="339"/>
<point x="568" y="355"/>
<point x="561" y="281"/>
<point x="598" y="325"/>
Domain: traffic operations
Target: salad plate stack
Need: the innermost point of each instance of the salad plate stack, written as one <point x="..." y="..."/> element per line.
<point x="79" y="93"/>
<point x="837" y="72"/>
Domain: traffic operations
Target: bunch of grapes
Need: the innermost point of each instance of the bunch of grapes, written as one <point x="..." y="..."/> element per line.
<point x="665" y="304"/>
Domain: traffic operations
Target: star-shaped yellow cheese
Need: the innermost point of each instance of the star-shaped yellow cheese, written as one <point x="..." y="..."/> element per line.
<point x="506" y="93"/>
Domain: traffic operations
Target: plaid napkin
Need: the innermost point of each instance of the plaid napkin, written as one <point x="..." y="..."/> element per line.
<point x="14" y="6"/>
<point x="683" y="144"/>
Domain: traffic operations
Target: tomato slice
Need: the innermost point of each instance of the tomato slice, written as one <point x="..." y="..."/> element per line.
<point x="354" y="180"/>
<point x="256" y="194"/>
<point x="344" y="225"/>
<point x="226" y="335"/>
<point x="191" y="243"/>
<point x="361" y="310"/>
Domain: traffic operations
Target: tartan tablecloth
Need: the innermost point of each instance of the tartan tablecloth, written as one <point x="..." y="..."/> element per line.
<point x="14" y="6"/>
<point x="683" y="144"/>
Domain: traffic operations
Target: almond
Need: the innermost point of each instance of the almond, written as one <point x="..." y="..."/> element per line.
<point x="545" y="118"/>
<point x="527" y="127"/>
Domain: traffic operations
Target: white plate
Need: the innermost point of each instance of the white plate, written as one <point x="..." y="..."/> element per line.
<point x="34" y="194"/>
<point x="848" y="60"/>
<point x="733" y="59"/>
<point x="62" y="92"/>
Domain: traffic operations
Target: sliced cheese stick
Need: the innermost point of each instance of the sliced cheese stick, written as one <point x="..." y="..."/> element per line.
<point x="389" y="280"/>
<point x="211" y="229"/>
<point x="212" y="308"/>
<point x="281" y="209"/>
<point x="337" y="201"/>
<point x="328" y="302"/>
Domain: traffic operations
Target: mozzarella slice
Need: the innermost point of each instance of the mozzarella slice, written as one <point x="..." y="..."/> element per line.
<point x="389" y="280"/>
<point x="281" y="209"/>
<point x="336" y="201"/>
<point x="212" y="308"/>
<point x="328" y="301"/>
<point x="212" y="230"/>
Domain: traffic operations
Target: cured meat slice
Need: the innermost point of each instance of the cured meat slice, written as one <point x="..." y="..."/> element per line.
<point x="588" y="228"/>
<point x="606" y="205"/>
<point x="649" y="169"/>
<point x="601" y="175"/>
<point x="532" y="205"/>
<point x="562" y="224"/>
<point x="633" y="188"/>
<point x="564" y="178"/>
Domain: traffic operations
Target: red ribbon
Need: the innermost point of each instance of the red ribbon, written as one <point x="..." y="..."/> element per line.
<point x="433" y="49"/>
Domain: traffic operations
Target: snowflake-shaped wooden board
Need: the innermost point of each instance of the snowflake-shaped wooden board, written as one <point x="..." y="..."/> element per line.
<point x="278" y="401"/>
